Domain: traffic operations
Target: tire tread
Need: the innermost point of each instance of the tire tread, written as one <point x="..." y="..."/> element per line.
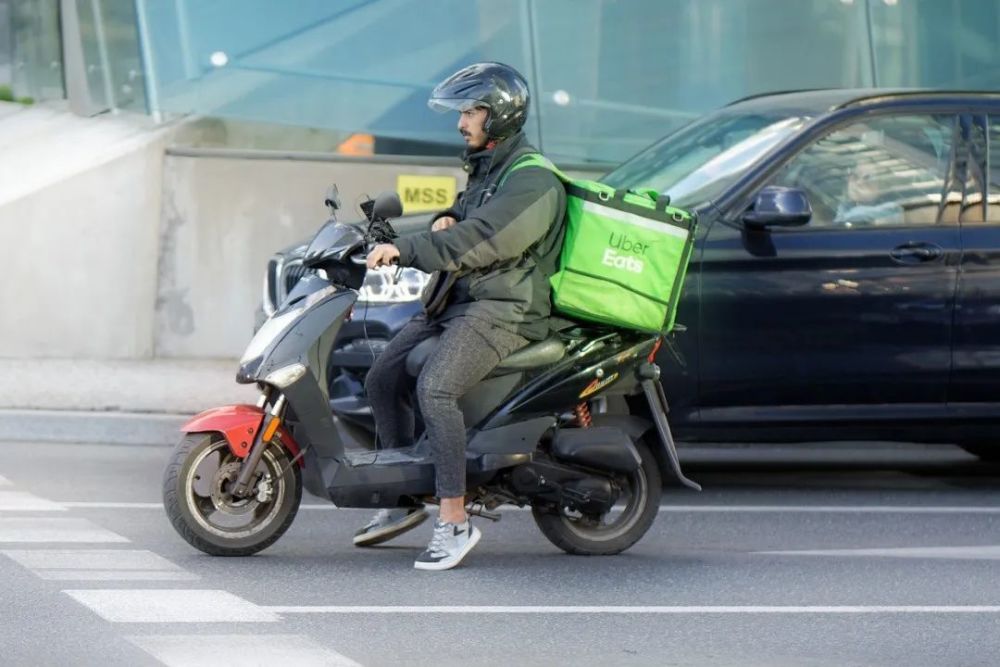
<point x="172" y="504"/>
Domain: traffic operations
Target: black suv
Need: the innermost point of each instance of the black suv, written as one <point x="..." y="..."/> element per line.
<point x="846" y="279"/>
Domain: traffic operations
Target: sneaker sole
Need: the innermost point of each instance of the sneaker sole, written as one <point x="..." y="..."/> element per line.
<point x="448" y="564"/>
<point x="389" y="532"/>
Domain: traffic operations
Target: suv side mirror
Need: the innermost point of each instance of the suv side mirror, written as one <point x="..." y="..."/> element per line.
<point x="777" y="206"/>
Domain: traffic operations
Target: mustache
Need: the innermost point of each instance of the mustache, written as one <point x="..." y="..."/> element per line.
<point x="465" y="133"/>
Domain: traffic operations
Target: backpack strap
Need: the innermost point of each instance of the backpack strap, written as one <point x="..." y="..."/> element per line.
<point x="533" y="160"/>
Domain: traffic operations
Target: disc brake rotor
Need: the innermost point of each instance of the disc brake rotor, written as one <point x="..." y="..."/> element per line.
<point x="223" y="500"/>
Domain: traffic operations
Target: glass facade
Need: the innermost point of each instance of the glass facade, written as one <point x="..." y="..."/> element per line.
<point x="31" y="61"/>
<point x="110" y="46"/>
<point x="608" y="76"/>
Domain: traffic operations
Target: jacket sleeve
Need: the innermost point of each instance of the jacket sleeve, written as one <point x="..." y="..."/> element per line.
<point x="451" y="212"/>
<point x="518" y="215"/>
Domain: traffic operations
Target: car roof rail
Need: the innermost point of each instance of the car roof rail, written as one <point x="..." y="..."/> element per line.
<point x="769" y="93"/>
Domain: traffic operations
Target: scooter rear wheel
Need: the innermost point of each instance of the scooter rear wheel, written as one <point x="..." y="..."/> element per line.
<point x="615" y="531"/>
<point x="201" y="509"/>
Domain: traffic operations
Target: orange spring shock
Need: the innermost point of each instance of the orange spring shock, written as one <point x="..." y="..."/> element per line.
<point x="583" y="418"/>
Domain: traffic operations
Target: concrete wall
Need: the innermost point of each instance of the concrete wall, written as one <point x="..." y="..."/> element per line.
<point x="116" y="247"/>
<point x="79" y="213"/>
<point x="222" y="219"/>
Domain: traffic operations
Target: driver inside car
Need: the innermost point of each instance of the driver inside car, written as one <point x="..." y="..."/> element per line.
<point x="491" y="255"/>
<point x="864" y="202"/>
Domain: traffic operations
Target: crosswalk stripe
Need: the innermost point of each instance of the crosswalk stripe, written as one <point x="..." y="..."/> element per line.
<point x="186" y="650"/>
<point x="21" y="501"/>
<point x="89" y="559"/>
<point x="115" y="575"/>
<point x="170" y="606"/>
<point x="34" y="529"/>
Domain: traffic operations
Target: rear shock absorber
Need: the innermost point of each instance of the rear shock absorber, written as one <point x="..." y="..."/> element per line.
<point x="583" y="418"/>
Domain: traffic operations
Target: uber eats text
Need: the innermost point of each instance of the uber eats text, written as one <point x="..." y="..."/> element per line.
<point x="624" y="253"/>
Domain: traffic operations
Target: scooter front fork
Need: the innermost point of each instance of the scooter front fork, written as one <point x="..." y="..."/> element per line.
<point x="272" y="420"/>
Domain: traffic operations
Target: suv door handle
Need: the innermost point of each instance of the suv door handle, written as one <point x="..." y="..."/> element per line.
<point x="916" y="253"/>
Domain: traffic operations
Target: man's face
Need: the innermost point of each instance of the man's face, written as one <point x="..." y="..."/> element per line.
<point x="470" y="125"/>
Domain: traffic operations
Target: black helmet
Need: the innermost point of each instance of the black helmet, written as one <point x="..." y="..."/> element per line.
<point x="495" y="86"/>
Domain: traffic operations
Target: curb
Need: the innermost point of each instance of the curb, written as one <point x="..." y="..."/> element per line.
<point x="118" y="428"/>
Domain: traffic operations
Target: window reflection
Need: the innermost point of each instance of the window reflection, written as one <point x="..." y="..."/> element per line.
<point x="695" y="164"/>
<point x="887" y="171"/>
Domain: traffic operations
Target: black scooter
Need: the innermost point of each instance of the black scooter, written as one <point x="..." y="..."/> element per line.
<point x="592" y="480"/>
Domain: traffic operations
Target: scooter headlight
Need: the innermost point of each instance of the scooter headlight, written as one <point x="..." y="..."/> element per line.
<point x="285" y="376"/>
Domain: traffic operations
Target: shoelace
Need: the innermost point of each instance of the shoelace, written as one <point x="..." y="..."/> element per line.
<point x="441" y="534"/>
<point x="380" y="517"/>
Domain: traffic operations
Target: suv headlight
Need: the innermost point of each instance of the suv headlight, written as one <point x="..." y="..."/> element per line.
<point x="380" y="287"/>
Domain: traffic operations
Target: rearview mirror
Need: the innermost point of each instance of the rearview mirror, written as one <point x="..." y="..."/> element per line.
<point x="777" y="206"/>
<point x="332" y="198"/>
<point x="387" y="206"/>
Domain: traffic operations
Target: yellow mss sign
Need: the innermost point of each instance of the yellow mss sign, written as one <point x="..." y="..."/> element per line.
<point x="425" y="193"/>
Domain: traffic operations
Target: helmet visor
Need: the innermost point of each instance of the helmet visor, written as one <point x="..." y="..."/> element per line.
<point x="446" y="104"/>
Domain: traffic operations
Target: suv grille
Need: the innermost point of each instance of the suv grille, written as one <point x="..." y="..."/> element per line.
<point x="293" y="272"/>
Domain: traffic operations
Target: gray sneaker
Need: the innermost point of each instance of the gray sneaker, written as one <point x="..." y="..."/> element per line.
<point x="387" y="524"/>
<point x="449" y="545"/>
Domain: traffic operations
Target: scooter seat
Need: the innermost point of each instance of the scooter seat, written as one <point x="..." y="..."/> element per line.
<point x="533" y="355"/>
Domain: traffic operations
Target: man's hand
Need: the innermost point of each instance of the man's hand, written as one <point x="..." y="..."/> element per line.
<point x="382" y="255"/>
<point x="443" y="223"/>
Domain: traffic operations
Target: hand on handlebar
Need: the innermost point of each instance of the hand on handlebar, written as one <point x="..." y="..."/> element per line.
<point x="382" y="255"/>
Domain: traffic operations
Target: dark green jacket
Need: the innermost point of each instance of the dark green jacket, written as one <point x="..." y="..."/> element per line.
<point x="495" y="263"/>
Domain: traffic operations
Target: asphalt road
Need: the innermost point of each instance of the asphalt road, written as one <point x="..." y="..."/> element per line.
<point x="800" y="555"/>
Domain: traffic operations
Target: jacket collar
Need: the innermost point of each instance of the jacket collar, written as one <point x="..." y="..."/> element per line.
<point x="476" y="164"/>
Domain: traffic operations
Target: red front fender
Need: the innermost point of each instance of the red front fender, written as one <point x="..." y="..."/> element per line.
<point x="239" y="424"/>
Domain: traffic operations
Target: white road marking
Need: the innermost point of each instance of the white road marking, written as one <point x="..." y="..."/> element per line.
<point x="721" y="509"/>
<point x="171" y="606"/>
<point x="54" y="530"/>
<point x="21" y="501"/>
<point x="847" y="509"/>
<point x="990" y="552"/>
<point x="791" y="609"/>
<point x="114" y="506"/>
<point x="822" y="509"/>
<point x="89" y="559"/>
<point x="116" y="575"/>
<point x="188" y="650"/>
<point x="156" y="506"/>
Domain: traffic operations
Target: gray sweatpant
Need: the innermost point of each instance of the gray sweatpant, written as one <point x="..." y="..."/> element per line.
<point x="469" y="349"/>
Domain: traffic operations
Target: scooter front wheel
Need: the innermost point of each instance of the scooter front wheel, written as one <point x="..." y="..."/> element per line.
<point x="196" y="495"/>
<point x="616" y="530"/>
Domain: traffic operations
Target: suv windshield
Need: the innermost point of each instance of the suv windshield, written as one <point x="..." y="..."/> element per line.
<point x="695" y="164"/>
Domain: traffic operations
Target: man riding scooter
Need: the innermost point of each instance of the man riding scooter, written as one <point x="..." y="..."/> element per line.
<point x="491" y="254"/>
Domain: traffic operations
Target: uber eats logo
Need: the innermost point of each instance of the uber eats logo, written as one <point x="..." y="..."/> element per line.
<point x="425" y="193"/>
<point x="624" y="252"/>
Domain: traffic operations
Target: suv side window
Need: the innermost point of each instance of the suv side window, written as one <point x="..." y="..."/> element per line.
<point x="889" y="170"/>
<point x="993" y="170"/>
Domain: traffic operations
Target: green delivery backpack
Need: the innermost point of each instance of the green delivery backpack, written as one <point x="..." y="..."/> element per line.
<point x="624" y="256"/>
